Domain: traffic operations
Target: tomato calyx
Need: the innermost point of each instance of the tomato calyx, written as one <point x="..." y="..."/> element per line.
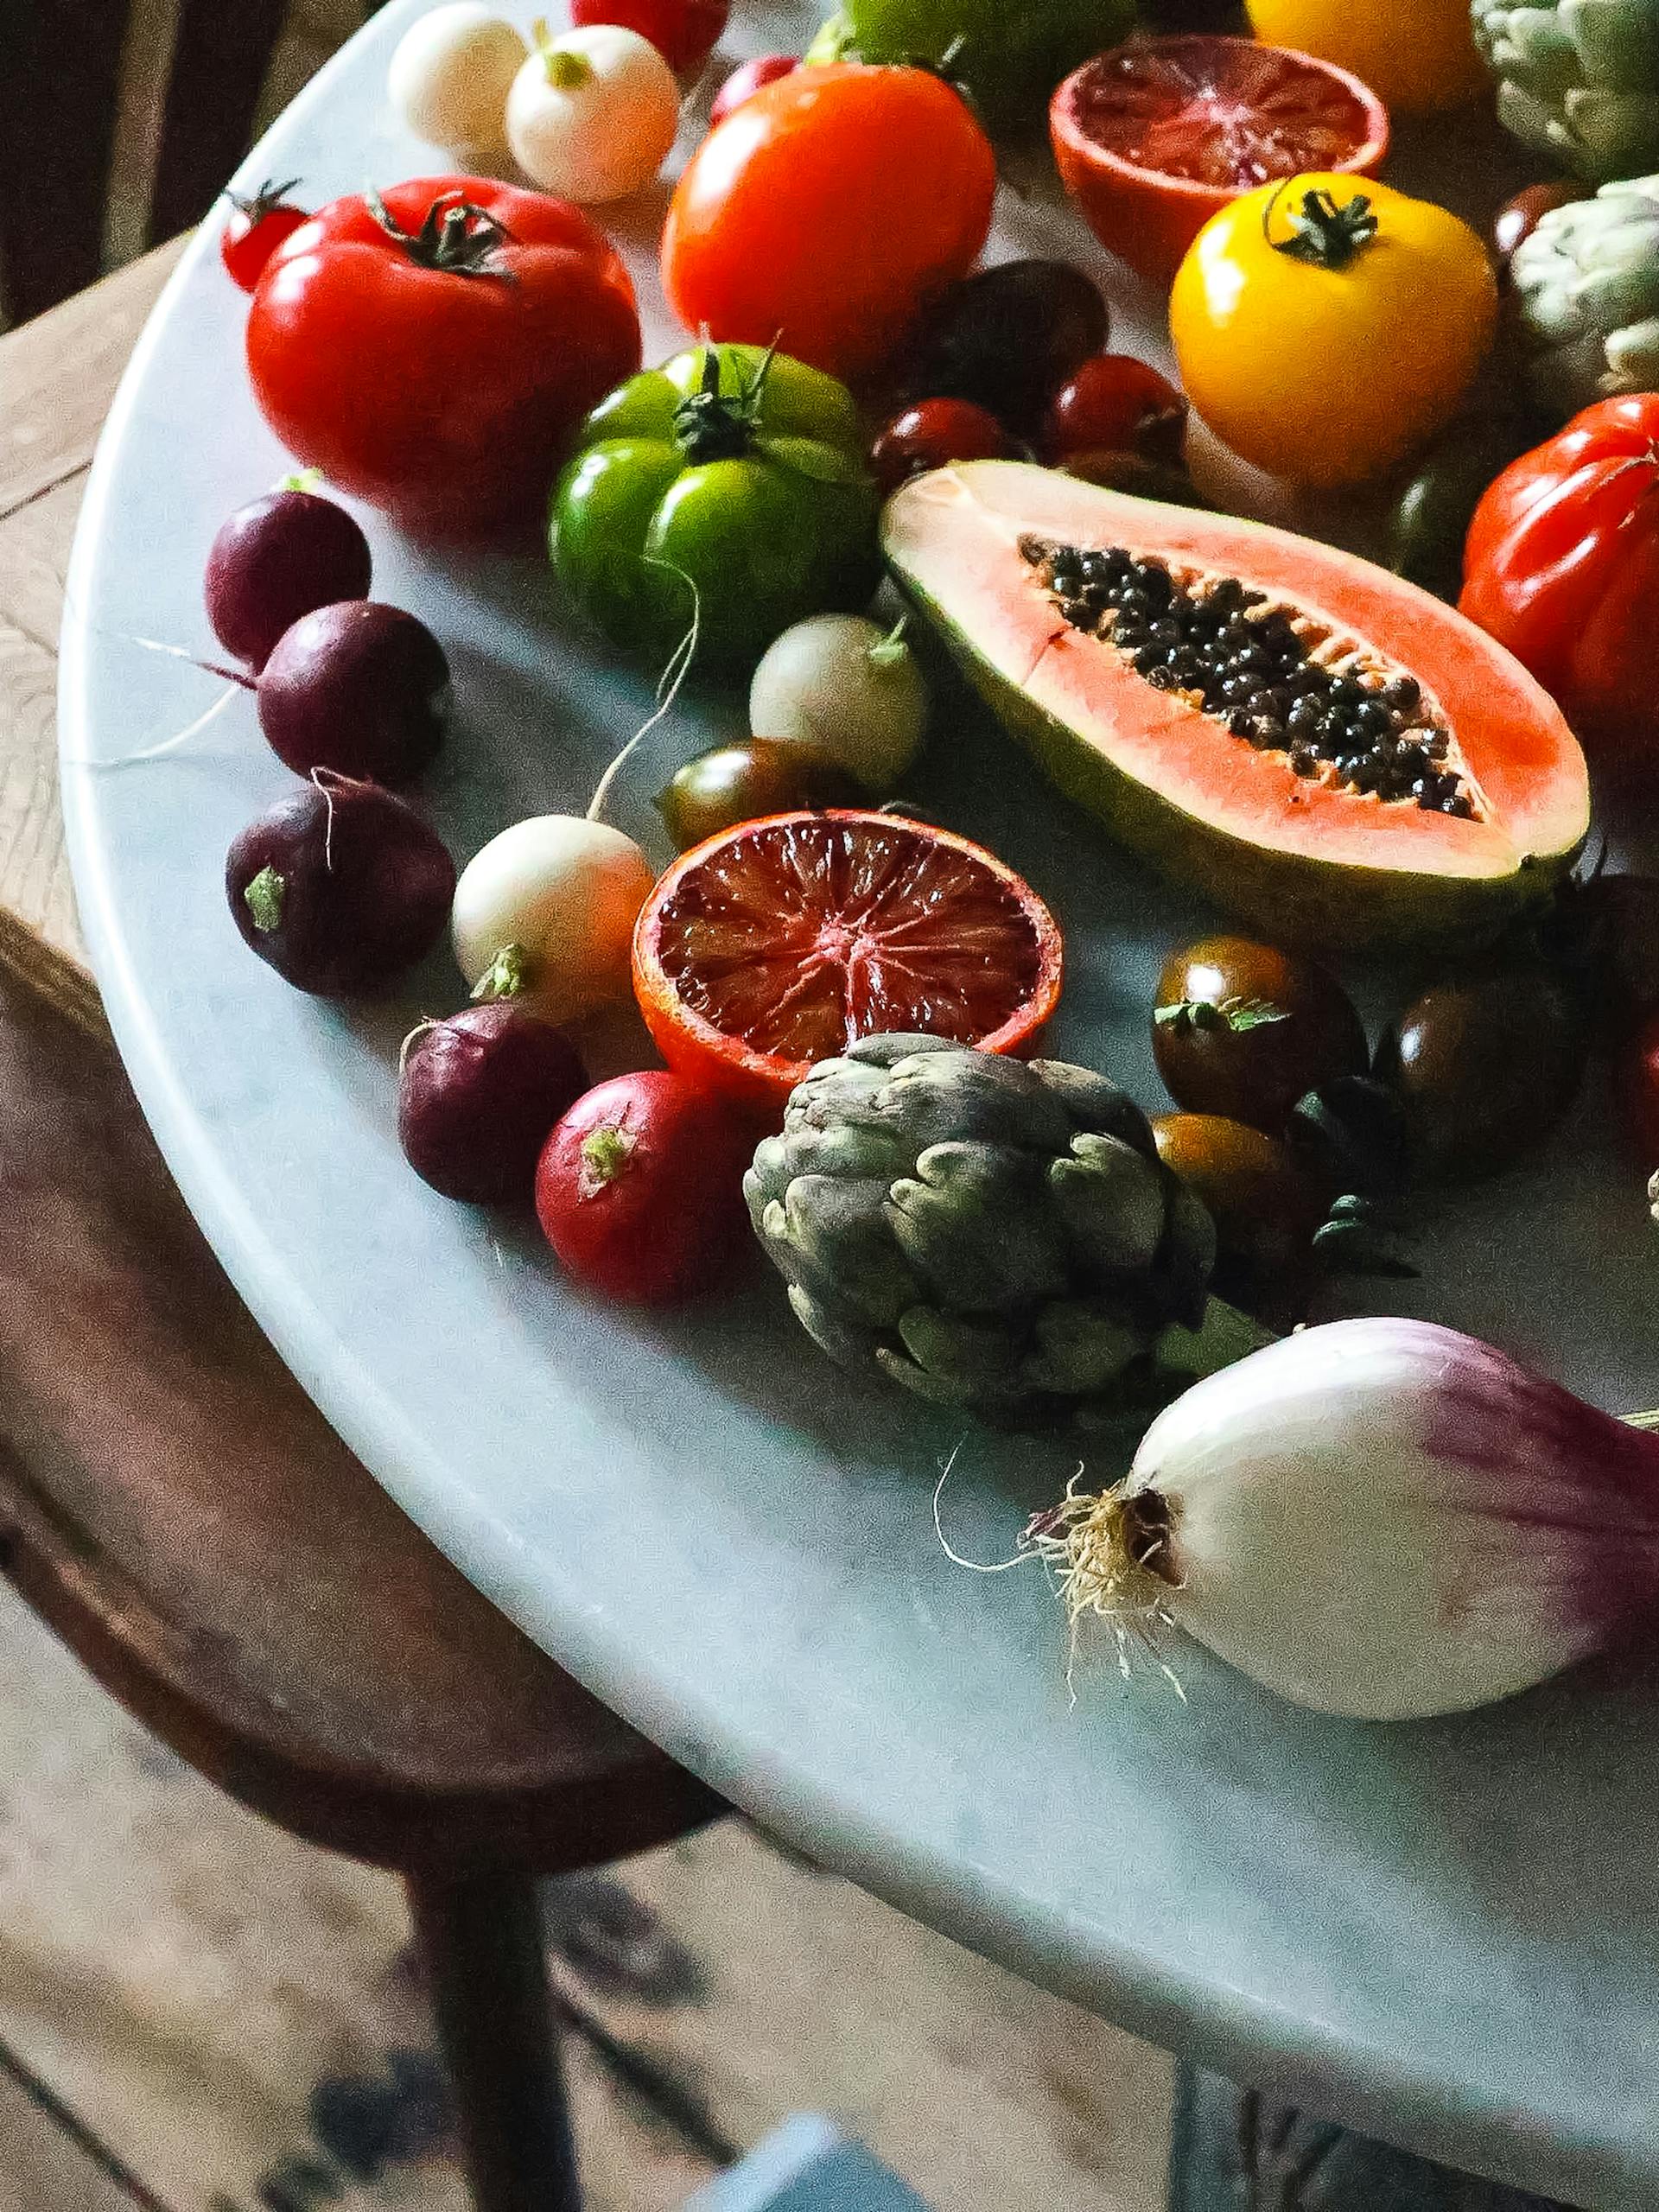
<point x="1240" y="1015"/>
<point x="457" y="237"/>
<point x="713" y="425"/>
<point x="606" y="1154"/>
<point x="254" y="207"/>
<point x="1321" y="233"/>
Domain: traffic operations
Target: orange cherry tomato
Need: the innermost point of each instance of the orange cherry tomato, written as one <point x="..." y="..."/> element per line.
<point x="823" y="211"/>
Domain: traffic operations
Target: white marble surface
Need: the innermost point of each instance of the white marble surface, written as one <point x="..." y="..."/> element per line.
<point x="1448" y="1934"/>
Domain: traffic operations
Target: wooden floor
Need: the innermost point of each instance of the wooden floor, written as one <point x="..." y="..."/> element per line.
<point x="199" y="2014"/>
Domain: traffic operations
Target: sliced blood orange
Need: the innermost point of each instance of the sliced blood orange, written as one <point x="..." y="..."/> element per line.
<point x="782" y="941"/>
<point x="1153" y="137"/>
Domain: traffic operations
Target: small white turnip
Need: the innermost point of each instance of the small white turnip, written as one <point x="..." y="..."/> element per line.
<point x="548" y="908"/>
<point x="593" y="113"/>
<point x="842" y="682"/>
<point x="451" y="75"/>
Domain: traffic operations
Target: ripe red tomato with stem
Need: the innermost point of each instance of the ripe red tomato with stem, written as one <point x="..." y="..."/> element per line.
<point x="824" y="211"/>
<point x="257" y="224"/>
<point x="930" y="436"/>
<point x="684" y="32"/>
<point x="431" y="350"/>
<point x="639" y="1191"/>
<point x="1115" y="404"/>
<point x="1561" y="565"/>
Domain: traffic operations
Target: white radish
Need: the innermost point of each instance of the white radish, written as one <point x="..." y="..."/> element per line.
<point x="450" y="77"/>
<point x="592" y="114"/>
<point x="842" y="682"/>
<point x="548" y="908"/>
<point x="1380" y="1518"/>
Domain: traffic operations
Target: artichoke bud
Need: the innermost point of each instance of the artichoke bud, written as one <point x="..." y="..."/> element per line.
<point x="1081" y="1347"/>
<point x="972" y="1223"/>
<point x="1094" y="1102"/>
<point x="974" y="1095"/>
<point x="958" y="1347"/>
<point x="825" y="1232"/>
<point x="1111" y="1204"/>
<point x="1188" y="1260"/>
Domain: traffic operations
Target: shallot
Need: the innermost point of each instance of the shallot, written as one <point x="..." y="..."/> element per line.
<point x="1380" y="1518"/>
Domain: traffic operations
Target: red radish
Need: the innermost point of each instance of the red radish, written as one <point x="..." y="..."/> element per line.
<point x="1115" y="404"/>
<point x="753" y="77"/>
<point x="258" y="224"/>
<point x="640" y="1188"/>
<point x="339" y="886"/>
<point x="276" y="559"/>
<point x="684" y="32"/>
<point x="358" y="688"/>
<point x="477" y="1095"/>
<point x="1640" y="1082"/>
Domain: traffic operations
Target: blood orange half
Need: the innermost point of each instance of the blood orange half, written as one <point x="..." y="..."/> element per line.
<point x="783" y="941"/>
<point x="1153" y="137"/>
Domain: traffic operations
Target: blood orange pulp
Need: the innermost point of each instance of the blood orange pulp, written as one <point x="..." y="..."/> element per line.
<point x="782" y="941"/>
<point x="1152" y="138"/>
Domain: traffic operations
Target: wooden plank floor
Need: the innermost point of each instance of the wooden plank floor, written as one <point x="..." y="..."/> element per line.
<point x="236" y="2020"/>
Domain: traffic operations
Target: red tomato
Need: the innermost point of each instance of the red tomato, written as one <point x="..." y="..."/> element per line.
<point x="640" y="1188"/>
<point x="825" y="209"/>
<point x="258" y="224"/>
<point x="1561" y="565"/>
<point x="1640" y="1084"/>
<point x="436" y="363"/>
<point x="930" y="436"/>
<point x="1115" y="405"/>
<point x="684" y="32"/>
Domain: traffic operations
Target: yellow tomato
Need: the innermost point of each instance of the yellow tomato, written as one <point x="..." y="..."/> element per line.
<point x="1417" y="55"/>
<point x="1327" y="326"/>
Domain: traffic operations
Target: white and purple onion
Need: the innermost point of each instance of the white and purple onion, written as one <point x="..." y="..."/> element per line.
<point x="1379" y="1518"/>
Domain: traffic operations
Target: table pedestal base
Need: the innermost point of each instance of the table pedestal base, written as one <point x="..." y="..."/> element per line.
<point x="1245" y="2150"/>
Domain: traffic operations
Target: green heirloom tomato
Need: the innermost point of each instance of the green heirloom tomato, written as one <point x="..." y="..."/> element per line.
<point x="730" y="481"/>
<point x="1007" y="56"/>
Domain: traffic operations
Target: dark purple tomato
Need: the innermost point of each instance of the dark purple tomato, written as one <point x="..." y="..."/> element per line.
<point x="477" y="1096"/>
<point x="1008" y="338"/>
<point x="739" y="783"/>
<point x="931" y="435"/>
<point x="1244" y="1030"/>
<point x="359" y="687"/>
<point x="276" y="559"/>
<point x="1265" y="1210"/>
<point x="340" y="888"/>
<point x="1486" y="1064"/>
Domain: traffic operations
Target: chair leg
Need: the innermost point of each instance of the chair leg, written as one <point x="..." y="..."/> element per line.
<point x="480" y="1936"/>
<point x="1242" y="2151"/>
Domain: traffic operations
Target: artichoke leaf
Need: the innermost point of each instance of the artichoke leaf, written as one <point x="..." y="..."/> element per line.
<point x="1111" y="1205"/>
<point x="1095" y="1102"/>
<point x="831" y="1236"/>
<point x="972" y="1221"/>
<point x="1081" y="1346"/>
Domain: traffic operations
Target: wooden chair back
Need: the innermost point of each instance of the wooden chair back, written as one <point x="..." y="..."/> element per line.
<point x="152" y="102"/>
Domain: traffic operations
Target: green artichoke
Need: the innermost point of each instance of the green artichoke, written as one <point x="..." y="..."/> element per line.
<point x="990" y="1232"/>
<point x="1578" y="80"/>
<point x="1586" y="296"/>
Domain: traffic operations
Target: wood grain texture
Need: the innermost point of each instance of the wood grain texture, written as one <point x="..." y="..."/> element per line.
<point x="43" y="2168"/>
<point x="175" y="1507"/>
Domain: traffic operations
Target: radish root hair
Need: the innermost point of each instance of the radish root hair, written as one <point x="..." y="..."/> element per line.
<point x="669" y="686"/>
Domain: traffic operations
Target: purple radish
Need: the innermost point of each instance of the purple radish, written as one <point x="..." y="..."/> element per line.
<point x="340" y="888"/>
<point x="357" y="687"/>
<point x="276" y="559"/>
<point x="479" y="1096"/>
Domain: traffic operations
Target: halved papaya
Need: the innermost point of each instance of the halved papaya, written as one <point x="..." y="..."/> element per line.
<point x="1335" y="754"/>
